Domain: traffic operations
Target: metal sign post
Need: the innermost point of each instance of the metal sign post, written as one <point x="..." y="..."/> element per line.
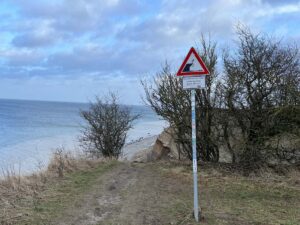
<point x="196" y="211"/>
<point x="192" y="70"/>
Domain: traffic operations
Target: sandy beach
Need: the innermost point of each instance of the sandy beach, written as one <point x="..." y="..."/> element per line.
<point x="132" y="149"/>
<point x="28" y="162"/>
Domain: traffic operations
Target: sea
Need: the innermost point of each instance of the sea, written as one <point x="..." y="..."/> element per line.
<point x="31" y="131"/>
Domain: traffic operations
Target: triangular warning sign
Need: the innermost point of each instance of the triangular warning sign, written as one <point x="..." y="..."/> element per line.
<point x="192" y="65"/>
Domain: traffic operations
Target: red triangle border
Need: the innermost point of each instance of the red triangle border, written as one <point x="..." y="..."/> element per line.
<point x="204" y="72"/>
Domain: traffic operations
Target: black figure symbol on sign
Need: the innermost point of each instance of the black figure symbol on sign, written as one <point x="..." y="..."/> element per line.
<point x="187" y="67"/>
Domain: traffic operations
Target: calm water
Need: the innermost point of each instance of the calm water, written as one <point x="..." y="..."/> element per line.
<point x="31" y="130"/>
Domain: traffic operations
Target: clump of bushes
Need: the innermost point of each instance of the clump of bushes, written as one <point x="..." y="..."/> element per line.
<point x="285" y="119"/>
<point x="107" y="123"/>
<point x="257" y="97"/>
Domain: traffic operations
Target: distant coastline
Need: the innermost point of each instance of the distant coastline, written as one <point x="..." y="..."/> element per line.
<point x="31" y="130"/>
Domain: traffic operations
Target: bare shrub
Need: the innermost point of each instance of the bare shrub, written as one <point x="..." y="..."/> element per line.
<point x="60" y="161"/>
<point x="106" y="129"/>
<point x="63" y="162"/>
<point x="261" y="78"/>
<point x="167" y="98"/>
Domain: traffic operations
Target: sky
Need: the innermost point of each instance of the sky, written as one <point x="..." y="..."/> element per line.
<point x="72" y="50"/>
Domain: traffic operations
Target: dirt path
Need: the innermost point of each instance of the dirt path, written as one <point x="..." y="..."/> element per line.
<point x="128" y="194"/>
<point x="160" y="193"/>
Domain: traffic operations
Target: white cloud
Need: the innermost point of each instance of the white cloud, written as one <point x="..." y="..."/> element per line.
<point x="21" y="57"/>
<point x="79" y="89"/>
<point x="270" y="10"/>
<point x="121" y="38"/>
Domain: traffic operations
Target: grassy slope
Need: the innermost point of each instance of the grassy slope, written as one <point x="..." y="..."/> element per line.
<point x="63" y="192"/>
<point x="224" y="198"/>
<point x="233" y="199"/>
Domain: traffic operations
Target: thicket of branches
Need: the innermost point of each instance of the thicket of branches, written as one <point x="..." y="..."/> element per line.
<point x="107" y="123"/>
<point x="260" y="90"/>
<point x="167" y="98"/>
<point x="256" y="97"/>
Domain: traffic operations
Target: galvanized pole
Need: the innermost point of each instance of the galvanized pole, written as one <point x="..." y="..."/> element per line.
<point x="196" y="212"/>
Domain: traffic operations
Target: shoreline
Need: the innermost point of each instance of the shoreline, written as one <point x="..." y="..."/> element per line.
<point x="130" y="150"/>
<point x="33" y="155"/>
<point x="32" y="130"/>
<point x="33" y="160"/>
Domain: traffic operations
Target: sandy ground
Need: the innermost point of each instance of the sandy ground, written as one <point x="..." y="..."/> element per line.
<point x="131" y="149"/>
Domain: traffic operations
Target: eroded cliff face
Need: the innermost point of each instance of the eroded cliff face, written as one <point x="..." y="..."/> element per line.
<point x="280" y="149"/>
<point x="165" y="145"/>
<point x="163" y="148"/>
<point x="284" y="149"/>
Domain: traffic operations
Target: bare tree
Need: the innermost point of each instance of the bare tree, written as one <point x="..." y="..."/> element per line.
<point x="106" y="129"/>
<point x="167" y="98"/>
<point x="260" y="76"/>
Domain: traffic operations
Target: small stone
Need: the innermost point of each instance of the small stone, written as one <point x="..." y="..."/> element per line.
<point x="111" y="187"/>
<point x="97" y="212"/>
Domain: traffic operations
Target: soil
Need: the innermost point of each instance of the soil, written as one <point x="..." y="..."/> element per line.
<point x="132" y="193"/>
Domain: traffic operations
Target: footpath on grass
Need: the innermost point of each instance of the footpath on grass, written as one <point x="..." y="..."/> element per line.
<point x="161" y="193"/>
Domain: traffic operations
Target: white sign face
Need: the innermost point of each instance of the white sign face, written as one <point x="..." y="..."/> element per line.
<point x="193" y="65"/>
<point x="193" y="82"/>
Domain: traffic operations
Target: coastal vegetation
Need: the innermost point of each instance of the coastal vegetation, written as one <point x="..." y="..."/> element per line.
<point x="171" y="102"/>
<point x="107" y="123"/>
<point x="66" y="176"/>
<point x="245" y="108"/>
<point x="114" y="192"/>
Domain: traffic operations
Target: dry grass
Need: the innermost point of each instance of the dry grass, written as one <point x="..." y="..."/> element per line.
<point x="228" y="197"/>
<point x="19" y="194"/>
<point x="268" y="197"/>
